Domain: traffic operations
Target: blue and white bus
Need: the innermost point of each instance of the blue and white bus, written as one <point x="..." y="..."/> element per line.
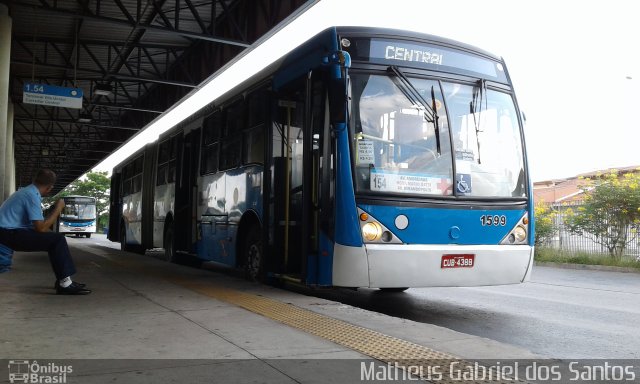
<point x="366" y="157"/>
<point x="78" y="216"/>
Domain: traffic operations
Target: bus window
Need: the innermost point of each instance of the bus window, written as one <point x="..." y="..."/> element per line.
<point x="163" y="152"/>
<point x="259" y="107"/>
<point x="171" y="172"/>
<point x="231" y="152"/>
<point x="236" y="115"/>
<point x="136" y="183"/>
<point x="397" y="146"/>
<point x="253" y="144"/>
<point x="487" y="141"/>
<point x="209" y="161"/>
<point x="211" y="127"/>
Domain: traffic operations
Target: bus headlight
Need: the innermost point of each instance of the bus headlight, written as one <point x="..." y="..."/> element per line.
<point x="371" y="231"/>
<point x="519" y="233"/>
<point x="375" y="232"/>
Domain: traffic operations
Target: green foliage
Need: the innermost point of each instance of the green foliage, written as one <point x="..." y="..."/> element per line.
<point x="610" y="215"/>
<point x="545" y="228"/>
<point x="552" y="255"/>
<point x="94" y="184"/>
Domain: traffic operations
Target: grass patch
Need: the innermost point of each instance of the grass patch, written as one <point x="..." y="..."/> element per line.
<point x="559" y="256"/>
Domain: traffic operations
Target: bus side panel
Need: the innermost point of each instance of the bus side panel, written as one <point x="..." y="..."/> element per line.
<point x="324" y="258"/>
<point x="350" y="266"/>
<point x="223" y="199"/>
<point x="347" y="225"/>
<point x="213" y="217"/>
<point x="243" y="191"/>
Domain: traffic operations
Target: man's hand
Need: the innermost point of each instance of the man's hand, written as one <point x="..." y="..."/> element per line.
<point x="46" y="224"/>
<point x="59" y="205"/>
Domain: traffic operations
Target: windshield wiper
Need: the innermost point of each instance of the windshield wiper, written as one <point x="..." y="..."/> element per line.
<point x="416" y="98"/>
<point x="475" y="106"/>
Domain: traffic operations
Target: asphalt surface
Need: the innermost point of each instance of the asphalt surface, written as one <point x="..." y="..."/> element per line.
<point x="560" y="313"/>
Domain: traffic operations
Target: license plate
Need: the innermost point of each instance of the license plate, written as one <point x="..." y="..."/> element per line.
<point x="458" y="261"/>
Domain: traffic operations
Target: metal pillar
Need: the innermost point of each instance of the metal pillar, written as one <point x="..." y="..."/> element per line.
<point x="5" y="59"/>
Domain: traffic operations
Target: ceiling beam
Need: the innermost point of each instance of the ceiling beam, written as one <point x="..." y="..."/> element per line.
<point x="145" y="26"/>
<point x="97" y="42"/>
<point x="22" y="118"/>
<point x="114" y="76"/>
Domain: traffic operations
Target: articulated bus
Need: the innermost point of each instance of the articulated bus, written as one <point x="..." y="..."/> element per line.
<point x="366" y="157"/>
<point x="78" y="216"/>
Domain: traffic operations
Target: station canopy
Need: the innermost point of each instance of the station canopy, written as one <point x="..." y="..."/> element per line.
<point x="86" y="75"/>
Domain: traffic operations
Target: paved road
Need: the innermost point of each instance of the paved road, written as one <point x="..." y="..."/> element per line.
<point x="561" y="313"/>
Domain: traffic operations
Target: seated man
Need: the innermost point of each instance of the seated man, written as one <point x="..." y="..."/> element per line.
<point x="6" y="255"/>
<point x="23" y="228"/>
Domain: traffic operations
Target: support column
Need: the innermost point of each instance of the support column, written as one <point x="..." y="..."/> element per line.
<point x="5" y="59"/>
<point x="10" y="161"/>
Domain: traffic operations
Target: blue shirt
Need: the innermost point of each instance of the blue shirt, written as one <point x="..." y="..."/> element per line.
<point x="21" y="208"/>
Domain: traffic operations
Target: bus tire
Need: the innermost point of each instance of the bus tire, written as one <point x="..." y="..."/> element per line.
<point x="123" y="238"/>
<point x="253" y="255"/>
<point x="169" y="244"/>
<point x="391" y="290"/>
<point x="88" y="235"/>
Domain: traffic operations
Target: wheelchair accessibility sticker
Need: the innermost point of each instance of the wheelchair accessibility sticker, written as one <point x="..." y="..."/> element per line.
<point x="463" y="183"/>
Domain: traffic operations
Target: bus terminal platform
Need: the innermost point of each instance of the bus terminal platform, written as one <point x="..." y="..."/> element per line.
<point x="151" y="321"/>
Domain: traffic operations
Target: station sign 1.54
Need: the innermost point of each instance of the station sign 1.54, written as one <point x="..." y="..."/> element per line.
<point x="52" y="95"/>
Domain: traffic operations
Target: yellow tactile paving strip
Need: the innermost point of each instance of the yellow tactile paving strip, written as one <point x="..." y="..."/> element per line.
<point x="374" y="344"/>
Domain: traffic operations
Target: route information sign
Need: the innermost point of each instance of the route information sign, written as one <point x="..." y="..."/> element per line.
<point x="52" y="95"/>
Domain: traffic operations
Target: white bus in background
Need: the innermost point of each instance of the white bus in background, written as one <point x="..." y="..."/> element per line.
<point x="78" y="217"/>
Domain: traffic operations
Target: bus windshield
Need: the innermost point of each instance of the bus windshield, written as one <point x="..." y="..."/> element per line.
<point x="79" y="211"/>
<point x="398" y="148"/>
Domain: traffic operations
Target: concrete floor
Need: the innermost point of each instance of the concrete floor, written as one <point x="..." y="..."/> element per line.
<point x="140" y="325"/>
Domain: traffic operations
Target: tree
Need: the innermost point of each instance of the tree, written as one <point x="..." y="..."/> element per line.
<point x="610" y="215"/>
<point x="94" y="184"/>
<point x="545" y="227"/>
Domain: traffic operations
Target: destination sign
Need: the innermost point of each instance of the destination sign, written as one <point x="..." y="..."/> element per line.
<point x="52" y="95"/>
<point x="425" y="55"/>
<point x="394" y="51"/>
<point x="431" y="56"/>
<point x="79" y="200"/>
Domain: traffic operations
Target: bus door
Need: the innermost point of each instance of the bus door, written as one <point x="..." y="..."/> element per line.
<point x="186" y="191"/>
<point x="296" y="181"/>
<point x="115" y="207"/>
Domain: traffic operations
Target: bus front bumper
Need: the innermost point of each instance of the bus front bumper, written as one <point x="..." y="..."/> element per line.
<point x="402" y="265"/>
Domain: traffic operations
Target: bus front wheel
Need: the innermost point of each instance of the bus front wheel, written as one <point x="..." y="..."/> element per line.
<point x="123" y="239"/>
<point x="253" y="255"/>
<point x="169" y="244"/>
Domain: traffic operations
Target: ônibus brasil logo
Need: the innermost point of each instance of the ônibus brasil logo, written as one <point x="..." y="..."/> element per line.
<point x="25" y="371"/>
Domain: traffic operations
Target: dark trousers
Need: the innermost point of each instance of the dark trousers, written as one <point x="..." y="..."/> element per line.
<point x="27" y="240"/>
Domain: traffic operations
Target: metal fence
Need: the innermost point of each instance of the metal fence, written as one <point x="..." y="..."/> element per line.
<point x="564" y="240"/>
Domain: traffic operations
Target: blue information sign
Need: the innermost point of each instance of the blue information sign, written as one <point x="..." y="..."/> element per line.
<point x="52" y="95"/>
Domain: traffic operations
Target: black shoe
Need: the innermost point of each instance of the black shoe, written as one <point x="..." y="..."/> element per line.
<point x="73" y="289"/>
<point x="55" y="284"/>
